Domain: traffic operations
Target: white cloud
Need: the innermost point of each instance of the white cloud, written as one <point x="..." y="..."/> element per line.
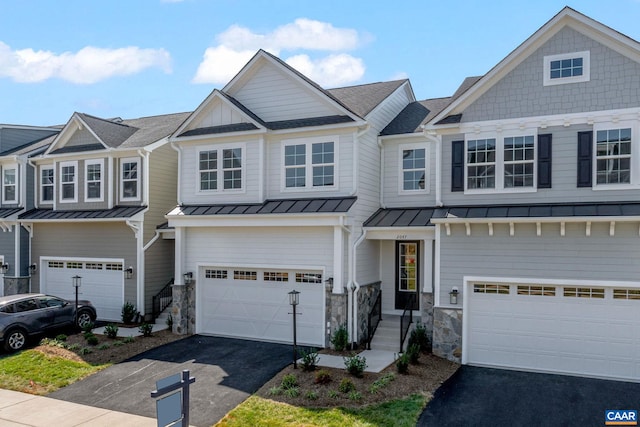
<point x="236" y="45"/>
<point x="88" y="65"/>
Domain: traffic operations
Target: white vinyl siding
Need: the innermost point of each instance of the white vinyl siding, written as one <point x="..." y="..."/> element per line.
<point x="47" y="184"/>
<point x="68" y="182"/>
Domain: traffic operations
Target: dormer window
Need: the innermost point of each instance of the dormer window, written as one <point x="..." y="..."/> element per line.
<point x="93" y="181"/>
<point x="566" y="68"/>
<point x="9" y="180"/>
<point x="68" y="182"/>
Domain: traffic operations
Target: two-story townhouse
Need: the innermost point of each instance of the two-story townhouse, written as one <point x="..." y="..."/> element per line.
<point x="101" y="189"/>
<point x="17" y="144"/>
<point x="276" y="178"/>
<point x="534" y="212"/>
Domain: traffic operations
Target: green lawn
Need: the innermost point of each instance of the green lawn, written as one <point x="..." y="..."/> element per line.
<point x="31" y="371"/>
<point x="256" y="411"/>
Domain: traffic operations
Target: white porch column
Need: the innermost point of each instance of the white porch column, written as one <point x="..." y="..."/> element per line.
<point x="427" y="262"/>
<point x="338" y="259"/>
<point x="179" y="256"/>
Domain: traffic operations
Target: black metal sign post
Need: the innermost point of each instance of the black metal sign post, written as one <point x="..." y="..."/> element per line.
<point x="174" y="407"/>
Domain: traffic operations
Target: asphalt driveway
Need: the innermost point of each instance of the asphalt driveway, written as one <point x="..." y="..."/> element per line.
<point x="495" y="397"/>
<point x="226" y="370"/>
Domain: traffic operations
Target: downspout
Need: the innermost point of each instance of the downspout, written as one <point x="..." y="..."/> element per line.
<point x="179" y="150"/>
<point x="437" y="140"/>
<point x="381" y="151"/>
<point x="137" y="227"/>
<point x="354" y="286"/>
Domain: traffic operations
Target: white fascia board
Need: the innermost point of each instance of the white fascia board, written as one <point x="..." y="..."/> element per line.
<point x="357" y="124"/>
<point x="406" y="87"/>
<point x="157" y="144"/>
<point x="533" y="220"/>
<point x="401" y="233"/>
<point x="275" y="220"/>
<point x="83" y="155"/>
<point x="181" y="139"/>
<point x="68" y="132"/>
<point x="413" y="135"/>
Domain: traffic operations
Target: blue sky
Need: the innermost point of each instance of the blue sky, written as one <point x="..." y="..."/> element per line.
<point x="134" y="58"/>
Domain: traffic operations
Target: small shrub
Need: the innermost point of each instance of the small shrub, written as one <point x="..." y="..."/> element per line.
<point x="323" y="377"/>
<point x="292" y="392"/>
<point x="145" y="329"/>
<point x="309" y="360"/>
<point x="275" y="391"/>
<point x="414" y="353"/>
<point x="92" y="340"/>
<point x="128" y="340"/>
<point x="340" y="338"/>
<point x="381" y="382"/>
<point x="402" y="364"/>
<point x="111" y="330"/>
<point x="346" y="386"/>
<point x="333" y="394"/>
<point x="170" y="321"/>
<point x="103" y="346"/>
<point x="355" y="365"/>
<point x="61" y="337"/>
<point x="129" y="312"/>
<point x="74" y="347"/>
<point x="311" y="395"/>
<point x="85" y="350"/>
<point x="52" y="342"/>
<point x="118" y="344"/>
<point x="355" y="395"/>
<point x="289" y="381"/>
<point x="419" y="336"/>
<point x="88" y="327"/>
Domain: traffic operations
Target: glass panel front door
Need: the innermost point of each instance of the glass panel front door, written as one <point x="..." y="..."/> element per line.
<point x="407" y="273"/>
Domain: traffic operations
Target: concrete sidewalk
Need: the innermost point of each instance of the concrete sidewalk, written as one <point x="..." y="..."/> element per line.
<point x="21" y="409"/>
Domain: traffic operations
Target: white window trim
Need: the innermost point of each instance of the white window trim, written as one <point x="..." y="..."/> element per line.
<point x="427" y="186"/>
<point x="499" y="163"/>
<point x="121" y="172"/>
<point x="53" y="169"/>
<point x="74" y="182"/>
<point x="87" y="163"/>
<point x="308" y="142"/>
<point x="13" y="167"/>
<point x="586" y="68"/>
<point x="220" y="169"/>
<point x="634" y="181"/>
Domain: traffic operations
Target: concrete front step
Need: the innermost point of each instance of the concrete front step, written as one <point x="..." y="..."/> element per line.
<point x="387" y="335"/>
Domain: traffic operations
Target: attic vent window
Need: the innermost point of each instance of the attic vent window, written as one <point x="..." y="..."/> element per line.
<point x="567" y="68"/>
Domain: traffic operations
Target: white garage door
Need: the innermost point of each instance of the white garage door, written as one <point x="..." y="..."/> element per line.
<point x="102" y="283"/>
<point x="254" y="303"/>
<point x="590" y="330"/>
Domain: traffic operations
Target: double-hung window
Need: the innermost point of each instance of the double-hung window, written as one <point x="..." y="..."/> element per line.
<point x="94" y="181"/>
<point x="46" y="184"/>
<point x="310" y="163"/>
<point x="501" y="163"/>
<point x="9" y="184"/>
<point x="220" y="169"/>
<point x="613" y="156"/>
<point x="68" y="182"/>
<point x="130" y="179"/>
<point x="413" y="168"/>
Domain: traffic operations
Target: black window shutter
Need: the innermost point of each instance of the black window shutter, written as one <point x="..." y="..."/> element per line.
<point x="544" y="161"/>
<point x="585" y="155"/>
<point x="457" y="166"/>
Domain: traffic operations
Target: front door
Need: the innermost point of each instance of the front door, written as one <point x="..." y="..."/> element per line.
<point x="407" y="274"/>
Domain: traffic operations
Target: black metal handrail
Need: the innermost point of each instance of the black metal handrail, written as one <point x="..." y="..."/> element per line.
<point x="404" y="329"/>
<point x="162" y="299"/>
<point x="374" y="317"/>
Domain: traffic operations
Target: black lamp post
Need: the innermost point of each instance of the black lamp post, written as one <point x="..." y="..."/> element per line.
<point x="294" y="300"/>
<point x="77" y="282"/>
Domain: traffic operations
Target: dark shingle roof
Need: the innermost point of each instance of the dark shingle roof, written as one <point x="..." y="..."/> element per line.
<point x="466" y="84"/>
<point x="79" y="148"/>
<point x="362" y="99"/>
<point x="455" y="118"/>
<point x="414" y="115"/>
<point x="289" y="206"/>
<point x="49" y="214"/>
<point x="311" y="121"/>
<point x="111" y="133"/>
<point x="211" y="130"/>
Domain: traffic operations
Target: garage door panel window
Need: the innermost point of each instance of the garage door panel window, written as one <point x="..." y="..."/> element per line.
<point x="113" y="267"/>
<point x="547" y="291"/>
<point x="490" y="288"/>
<point x="56" y="264"/>
<point x="76" y="265"/>
<point x="633" y="294"/>
<point x="276" y="276"/>
<point x="308" y="278"/>
<point x="93" y="266"/>
<point x="584" y="292"/>
<point x="215" y="274"/>
<point x="245" y="275"/>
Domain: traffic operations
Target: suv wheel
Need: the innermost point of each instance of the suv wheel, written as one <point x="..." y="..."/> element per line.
<point x="84" y="318"/>
<point x="15" y="340"/>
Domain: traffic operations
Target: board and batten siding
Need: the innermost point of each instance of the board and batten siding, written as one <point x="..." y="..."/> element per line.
<point x="84" y="240"/>
<point x="549" y="256"/>
<point x="274" y="95"/>
<point x="270" y="247"/>
<point x="613" y="84"/>
<point x="190" y="175"/>
<point x="216" y="114"/>
<point x="343" y="167"/>
<point x="564" y="172"/>
<point x="392" y="194"/>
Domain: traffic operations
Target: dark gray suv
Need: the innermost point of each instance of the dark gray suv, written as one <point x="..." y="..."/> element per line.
<point x="25" y="315"/>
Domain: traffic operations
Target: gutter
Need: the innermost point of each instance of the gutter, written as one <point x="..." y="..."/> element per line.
<point x="354" y="287"/>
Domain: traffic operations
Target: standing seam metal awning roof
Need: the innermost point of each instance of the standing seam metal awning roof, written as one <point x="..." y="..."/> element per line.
<point x="288" y="206"/>
<point x="49" y="214"/>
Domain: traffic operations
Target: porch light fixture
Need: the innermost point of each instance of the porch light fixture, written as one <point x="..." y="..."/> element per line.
<point x="188" y="277"/>
<point x="4" y="268"/>
<point x="33" y="268"/>
<point x="76" y="281"/>
<point x="453" y="296"/>
<point x="128" y="273"/>
<point x="294" y="300"/>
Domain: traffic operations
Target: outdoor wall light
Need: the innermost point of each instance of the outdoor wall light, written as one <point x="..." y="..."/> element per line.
<point x="33" y="268"/>
<point x="128" y="273"/>
<point x="453" y="296"/>
<point x="188" y="277"/>
<point x="4" y="268"/>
